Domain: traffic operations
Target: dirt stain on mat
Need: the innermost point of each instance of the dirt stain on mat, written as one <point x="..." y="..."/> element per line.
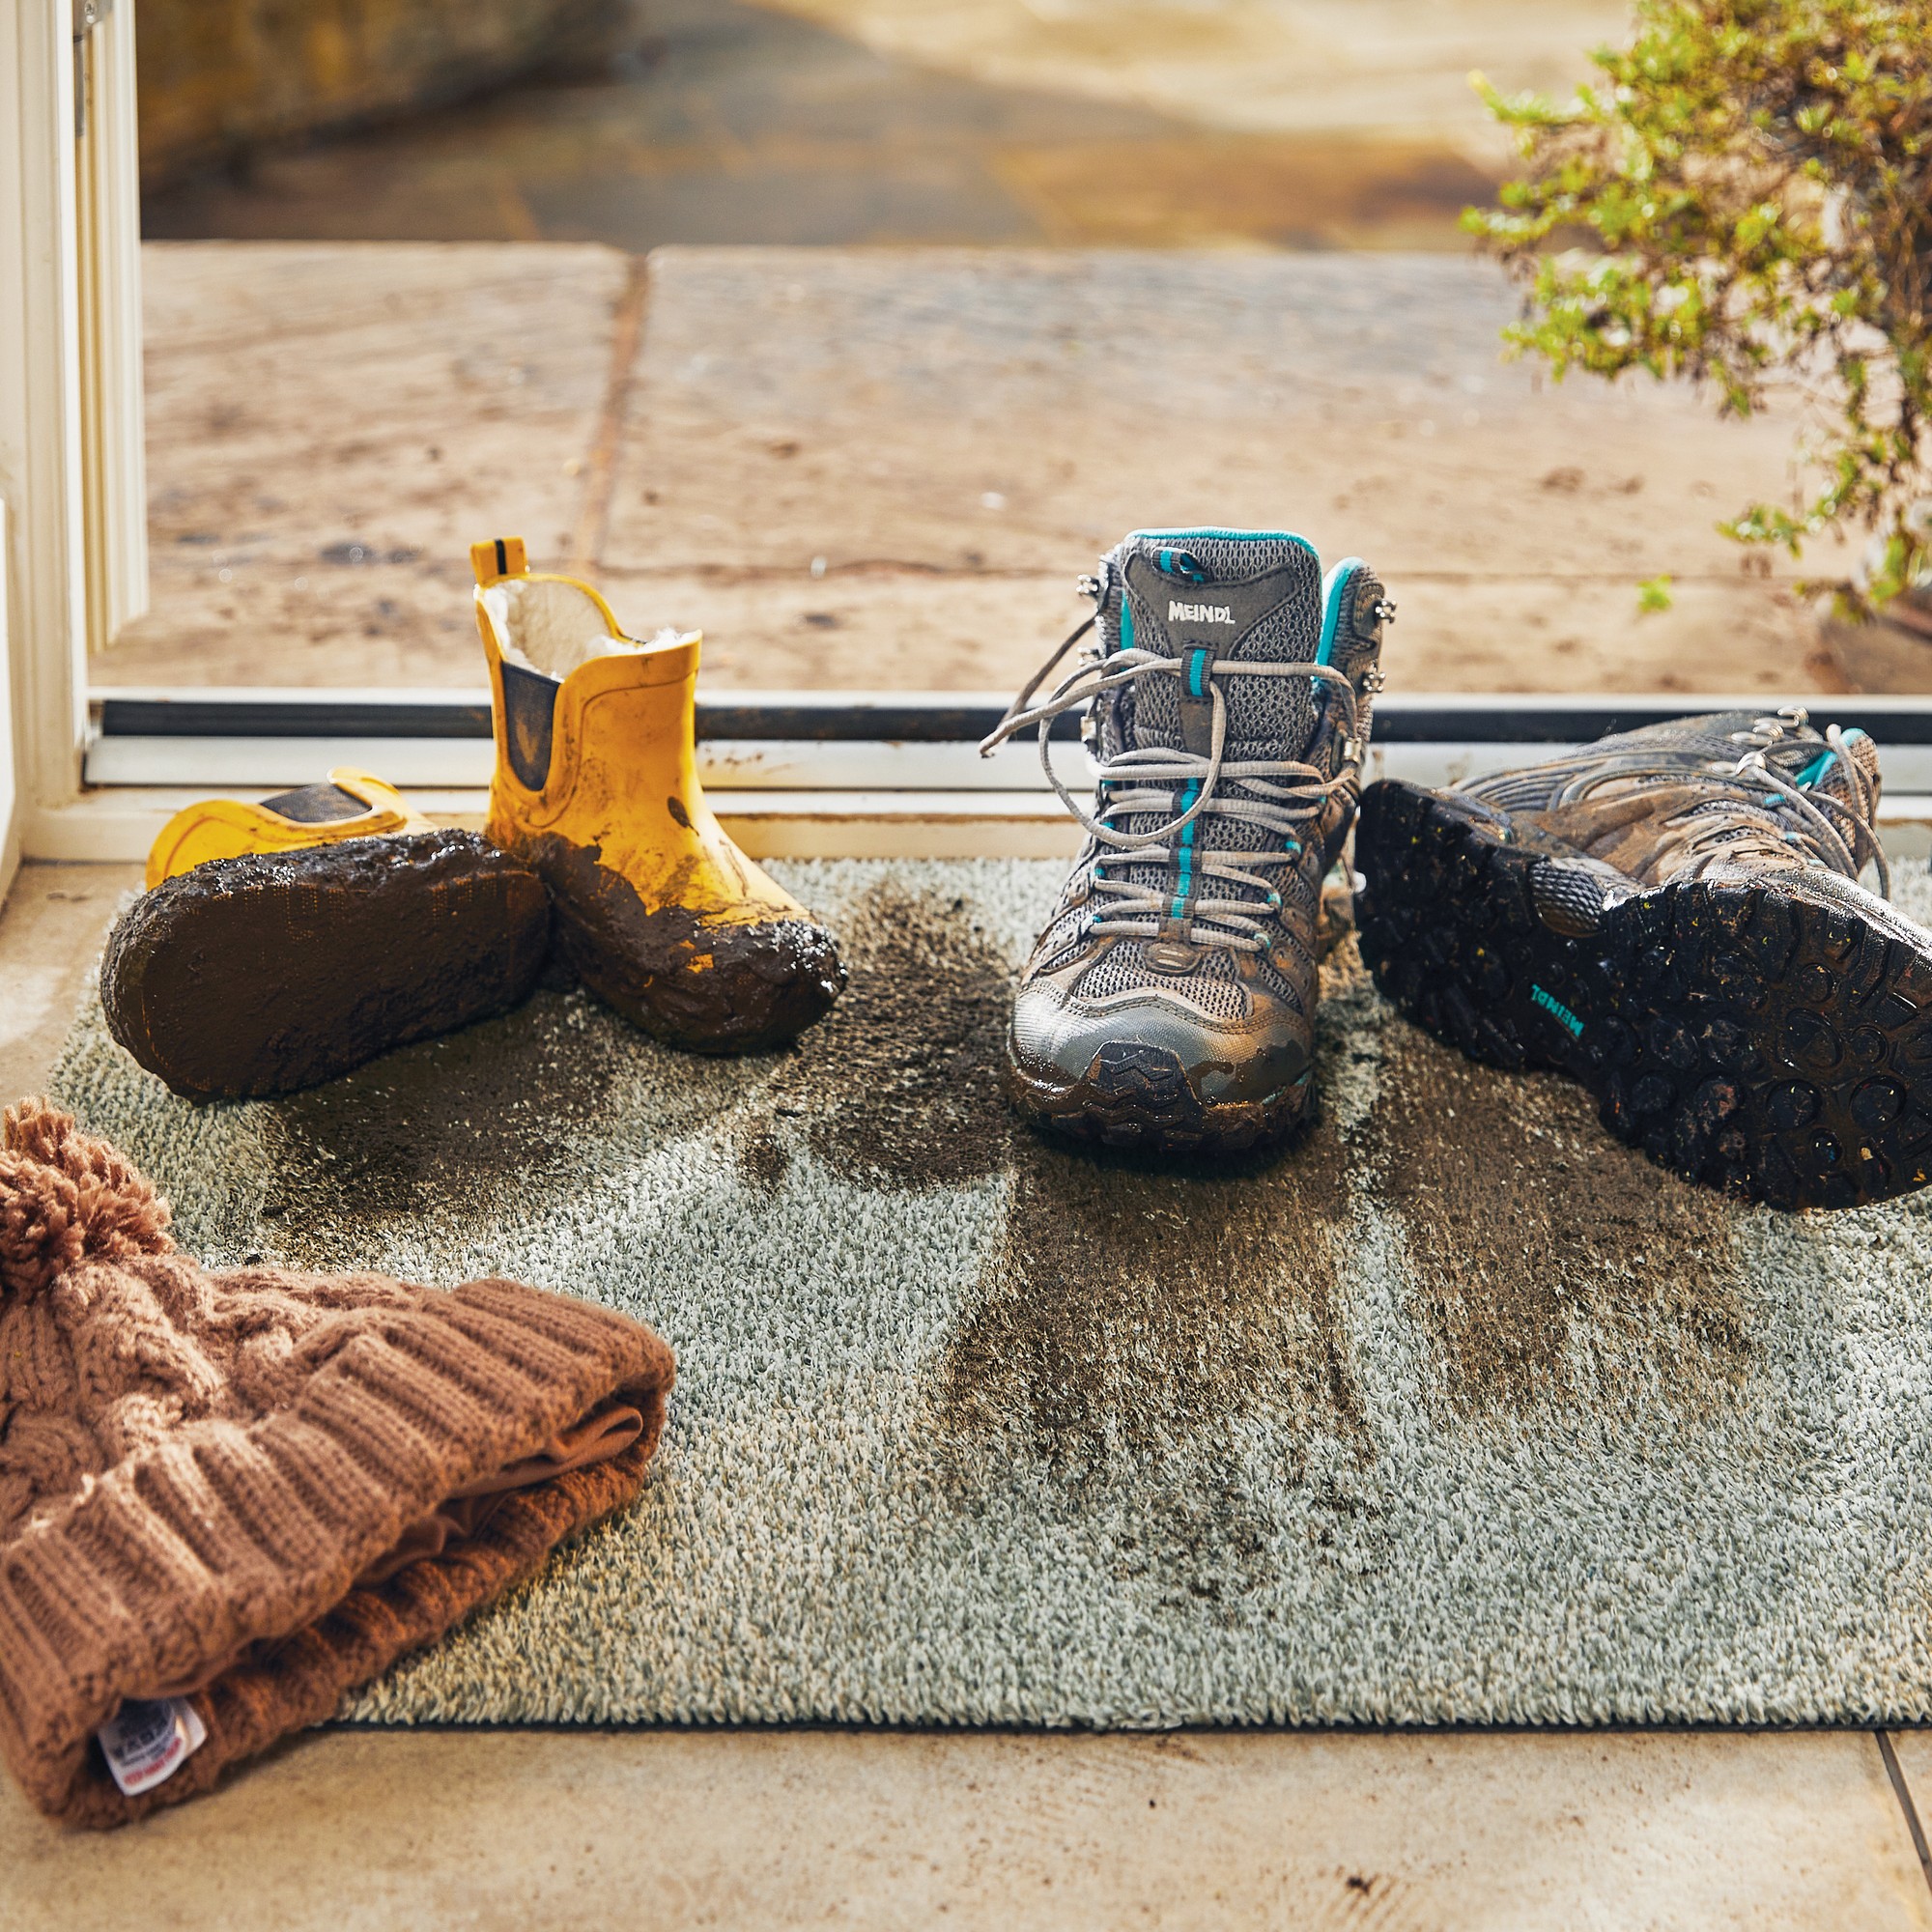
<point x="898" y="1086"/>
<point x="1529" y="1229"/>
<point x="762" y="1158"/>
<point x="484" y="1116"/>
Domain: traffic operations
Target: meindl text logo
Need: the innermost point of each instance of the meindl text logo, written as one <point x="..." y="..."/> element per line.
<point x="1200" y="613"/>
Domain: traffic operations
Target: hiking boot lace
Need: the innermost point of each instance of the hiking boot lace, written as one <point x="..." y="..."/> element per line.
<point x="1279" y="795"/>
<point x="1752" y="807"/>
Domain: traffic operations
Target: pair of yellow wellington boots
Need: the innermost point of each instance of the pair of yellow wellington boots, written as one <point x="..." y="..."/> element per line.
<point x="596" y="790"/>
<point x="286" y="942"/>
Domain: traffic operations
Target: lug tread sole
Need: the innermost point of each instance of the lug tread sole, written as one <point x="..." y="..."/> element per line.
<point x="1748" y="1036"/>
<point x="1141" y="1099"/>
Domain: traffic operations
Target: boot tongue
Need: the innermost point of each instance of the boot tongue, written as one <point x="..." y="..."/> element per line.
<point x="1245" y="598"/>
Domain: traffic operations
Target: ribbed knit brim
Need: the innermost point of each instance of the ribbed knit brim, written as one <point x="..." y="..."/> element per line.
<point x="195" y="1469"/>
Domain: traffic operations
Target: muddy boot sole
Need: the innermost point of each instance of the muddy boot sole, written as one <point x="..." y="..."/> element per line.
<point x="702" y="985"/>
<point x="1139" y="1097"/>
<point x="1755" y="1034"/>
<point x="269" y="973"/>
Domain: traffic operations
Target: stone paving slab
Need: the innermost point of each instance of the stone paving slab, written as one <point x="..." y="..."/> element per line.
<point x="863" y="405"/>
<point x="947" y="437"/>
<point x="958" y="415"/>
<point x="330" y="426"/>
<point x="518" y="1831"/>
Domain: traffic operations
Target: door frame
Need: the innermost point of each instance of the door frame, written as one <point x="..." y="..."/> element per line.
<point x="73" y="471"/>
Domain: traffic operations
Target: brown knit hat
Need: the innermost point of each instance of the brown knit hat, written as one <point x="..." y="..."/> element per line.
<point x="254" y="1491"/>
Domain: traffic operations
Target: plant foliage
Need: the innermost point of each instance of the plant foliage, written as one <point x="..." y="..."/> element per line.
<point x="1746" y="196"/>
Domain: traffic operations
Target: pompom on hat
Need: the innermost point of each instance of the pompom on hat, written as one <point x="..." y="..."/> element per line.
<point x="65" y="1199"/>
<point x="256" y="1490"/>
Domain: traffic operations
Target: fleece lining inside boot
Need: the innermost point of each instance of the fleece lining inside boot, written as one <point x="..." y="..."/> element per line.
<point x="552" y="626"/>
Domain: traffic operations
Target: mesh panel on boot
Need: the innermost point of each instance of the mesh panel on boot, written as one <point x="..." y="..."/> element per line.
<point x="1708" y="748"/>
<point x="1210" y="983"/>
<point x="1266" y="718"/>
<point x="1064" y="936"/>
<point x="1717" y="739"/>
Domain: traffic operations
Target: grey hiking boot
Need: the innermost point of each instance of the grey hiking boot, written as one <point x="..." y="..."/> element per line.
<point x="1170" y="1002"/>
<point x="1674" y="917"/>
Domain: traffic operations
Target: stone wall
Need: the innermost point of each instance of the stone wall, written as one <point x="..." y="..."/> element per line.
<point x="219" y="76"/>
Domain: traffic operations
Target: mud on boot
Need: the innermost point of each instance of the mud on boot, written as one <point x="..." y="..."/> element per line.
<point x="264" y="972"/>
<point x="1673" y="917"/>
<point x="1169" y="1003"/>
<point x="596" y="788"/>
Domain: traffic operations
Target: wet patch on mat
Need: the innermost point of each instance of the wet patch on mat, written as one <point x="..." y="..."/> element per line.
<point x="1128" y="1305"/>
<point x="441" y="1129"/>
<point x="1530" y="1232"/>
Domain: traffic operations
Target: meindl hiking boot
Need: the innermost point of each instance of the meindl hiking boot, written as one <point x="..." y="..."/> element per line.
<point x="596" y="788"/>
<point x="1674" y="917"/>
<point x="1170" y="1002"/>
<point x="283" y="943"/>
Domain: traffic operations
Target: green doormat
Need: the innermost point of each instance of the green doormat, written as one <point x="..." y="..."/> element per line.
<point x="1456" y="1413"/>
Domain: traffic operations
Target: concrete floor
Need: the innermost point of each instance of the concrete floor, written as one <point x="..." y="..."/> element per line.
<point x="509" y="1832"/>
<point x="520" y="1831"/>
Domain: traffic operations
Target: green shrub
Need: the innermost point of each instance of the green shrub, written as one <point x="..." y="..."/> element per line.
<point x="1748" y="194"/>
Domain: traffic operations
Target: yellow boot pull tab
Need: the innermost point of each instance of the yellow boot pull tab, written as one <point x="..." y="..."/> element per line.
<point x="499" y="557"/>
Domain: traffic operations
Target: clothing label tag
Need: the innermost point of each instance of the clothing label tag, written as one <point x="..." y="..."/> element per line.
<point x="147" y="1743"/>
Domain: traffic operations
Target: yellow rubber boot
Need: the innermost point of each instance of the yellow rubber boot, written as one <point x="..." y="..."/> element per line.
<point x="596" y="790"/>
<point x="283" y="943"/>
<point x="352" y="805"/>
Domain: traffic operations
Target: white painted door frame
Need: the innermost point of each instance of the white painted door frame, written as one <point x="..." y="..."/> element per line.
<point x="71" y="472"/>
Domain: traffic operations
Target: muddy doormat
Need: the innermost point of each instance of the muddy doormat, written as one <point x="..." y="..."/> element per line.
<point x="1454" y="1412"/>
